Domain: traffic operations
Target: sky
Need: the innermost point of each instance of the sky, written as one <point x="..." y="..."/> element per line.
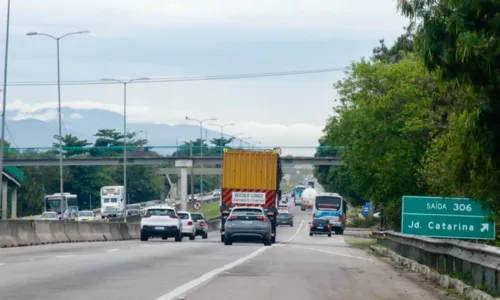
<point x="178" y="38"/>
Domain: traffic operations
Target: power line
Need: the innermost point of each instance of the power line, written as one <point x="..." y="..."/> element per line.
<point x="183" y="79"/>
<point x="10" y="134"/>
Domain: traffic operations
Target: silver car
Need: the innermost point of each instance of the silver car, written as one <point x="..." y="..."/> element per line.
<point x="248" y="223"/>
<point x="201" y="225"/>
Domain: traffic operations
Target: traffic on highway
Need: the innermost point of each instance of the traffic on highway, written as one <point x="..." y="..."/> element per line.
<point x="311" y="267"/>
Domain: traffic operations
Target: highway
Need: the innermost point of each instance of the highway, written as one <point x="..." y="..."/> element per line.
<point x="296" y="267"/>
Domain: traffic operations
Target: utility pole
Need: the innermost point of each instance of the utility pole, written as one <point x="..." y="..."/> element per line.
<point x="192" y="168"/>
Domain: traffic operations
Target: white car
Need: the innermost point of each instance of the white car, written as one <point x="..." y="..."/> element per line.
<point x="188" y="224"/>
<point x="216" y="193"/>
<point x="86" y="215"/>
<point x="49" y="216"/>
<point x="161" y="221"/>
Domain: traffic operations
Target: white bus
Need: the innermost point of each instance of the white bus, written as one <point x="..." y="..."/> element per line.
<point x="112" y="196"/>
<point x="66" y="207"/>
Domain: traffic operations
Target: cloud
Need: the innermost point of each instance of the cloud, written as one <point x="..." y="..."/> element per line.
<point x="134" y="17"/>
<point x="75" y="116"/>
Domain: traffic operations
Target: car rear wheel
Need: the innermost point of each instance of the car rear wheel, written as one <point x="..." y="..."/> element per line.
<point x="178" y="238"/>
<point x="273" y="239"/>
<point x="267" y="242"/>
<point x="228" y="242"/>
<point x="144" y="237"/>
<point x="310" y="234"/>
<point x="222" y="238"/>
<point x="330" y="234"/>
<point x="291" y="225"/>
<point x="164" y="238"/>
<point x="192" y="237"/>
<point x="204" y="236"/>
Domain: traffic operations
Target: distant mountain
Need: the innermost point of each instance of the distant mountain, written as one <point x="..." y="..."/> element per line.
<point x="84" y="123"/>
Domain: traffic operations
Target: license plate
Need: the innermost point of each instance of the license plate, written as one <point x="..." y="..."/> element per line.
<point x="159" y="228"/>
<point x="320" y="227"/>
<point x="247" y="222"/>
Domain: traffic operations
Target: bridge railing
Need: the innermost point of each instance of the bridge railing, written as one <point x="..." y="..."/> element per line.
<point x="475" y="264"/>
<point x="159" y="150"/>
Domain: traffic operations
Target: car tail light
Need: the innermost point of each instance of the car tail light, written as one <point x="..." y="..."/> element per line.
<point x="190" y="223"/>
<point x="146" y="216"/>
<point x="264" y="219"/>
<point x="290" y="217"/>
<point x="174" y="217"/>
<point x="314" y="216"/>
<point x="232" y="218"/>
<point x="340" y="219"/>
<point x="312" y="225"/>
<point x="202" y="224"/>
<point x="328" y="226"/>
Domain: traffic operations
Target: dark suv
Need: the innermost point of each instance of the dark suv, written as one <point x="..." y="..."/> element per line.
<point x="320" y="226"/>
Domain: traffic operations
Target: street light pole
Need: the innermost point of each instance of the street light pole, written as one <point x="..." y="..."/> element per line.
<point x="4" y="105"/>
<point x="125" y="82"/>
<point x="201" y="152"/>
<point x="221" y="133"/>
<point x="244" y="138"/>
<point x="57" y="39"/>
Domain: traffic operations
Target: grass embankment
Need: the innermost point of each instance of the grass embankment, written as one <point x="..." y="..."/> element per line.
<point x="210" y="210"/>
<point x="361" y="243"/>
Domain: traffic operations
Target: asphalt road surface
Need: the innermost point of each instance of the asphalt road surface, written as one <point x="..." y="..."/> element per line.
<point x="296" y="267"/>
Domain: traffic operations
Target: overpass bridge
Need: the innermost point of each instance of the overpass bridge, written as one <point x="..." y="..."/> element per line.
<point x="218" y="171"/>
<point x="159" y="160"/>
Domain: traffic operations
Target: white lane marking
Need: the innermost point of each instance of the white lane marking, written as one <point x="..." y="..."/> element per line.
<point x="145" y="246"/>
<point x="296" y="232"/>
<point x="332" y="253"/>
<point x="64" y="256"/>
<point x="183" y="289"/>
<point x="112" y="250"/>
<point x="341" y="239"/>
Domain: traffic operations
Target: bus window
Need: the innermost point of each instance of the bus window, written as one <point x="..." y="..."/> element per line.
<point x="328" y="203"/>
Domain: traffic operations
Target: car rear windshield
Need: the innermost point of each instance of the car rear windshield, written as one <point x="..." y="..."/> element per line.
<point x="183" y="216"/>
<point x="319" y="221"/>
<point x="283" y="215"/>
<point x="160" y="212"/>
<point x="246" y="212"/>
<point x="197" y="217"/>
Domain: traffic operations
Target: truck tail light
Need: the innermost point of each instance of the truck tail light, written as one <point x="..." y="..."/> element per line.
<point x="340" y="218"/>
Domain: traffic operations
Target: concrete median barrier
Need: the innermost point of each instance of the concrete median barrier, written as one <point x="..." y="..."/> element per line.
<point x="28" y="232"/>
<point x="44" y="232"/>
<point x="58" y="229"/>
<point x="72" y="230"/>
<point x="6" y="237"/>
<point x="24" y="233"/>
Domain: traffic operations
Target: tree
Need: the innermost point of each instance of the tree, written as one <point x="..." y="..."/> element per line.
<point x="386" y="118"/>
<point x="460" y="41"/>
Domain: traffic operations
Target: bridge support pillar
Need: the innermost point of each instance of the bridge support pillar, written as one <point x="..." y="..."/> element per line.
<point x="13" y="206"/>
<point x="184" y="183"/>
<point x="184" y="164"/>
<point x="4" y="200"/>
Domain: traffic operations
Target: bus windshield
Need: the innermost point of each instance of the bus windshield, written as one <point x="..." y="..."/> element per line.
<point x="53" y="205"/>
<point x="328" y="203"/>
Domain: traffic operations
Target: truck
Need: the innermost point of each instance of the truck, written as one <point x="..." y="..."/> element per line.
<point x="251" y="178"/>
<point x="308" y="198"/>
<point x="112" y="199"/>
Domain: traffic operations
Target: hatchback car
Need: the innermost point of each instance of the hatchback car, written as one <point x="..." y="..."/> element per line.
<point x="320" y="226"/>
<point x="49" y="216"/>
<point x="86" y="215"/>
<point x="201" y="225"/>
<point x="188" y="224"/>
<point x="248" y="223"/>
<point x="285" y="218"/>
<point x="161" y="221"/>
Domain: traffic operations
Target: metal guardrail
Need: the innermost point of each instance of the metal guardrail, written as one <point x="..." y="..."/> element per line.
<point x="475" y="264"/>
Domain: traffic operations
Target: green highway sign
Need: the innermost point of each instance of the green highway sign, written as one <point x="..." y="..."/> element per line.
<point x="456" y="218"/>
